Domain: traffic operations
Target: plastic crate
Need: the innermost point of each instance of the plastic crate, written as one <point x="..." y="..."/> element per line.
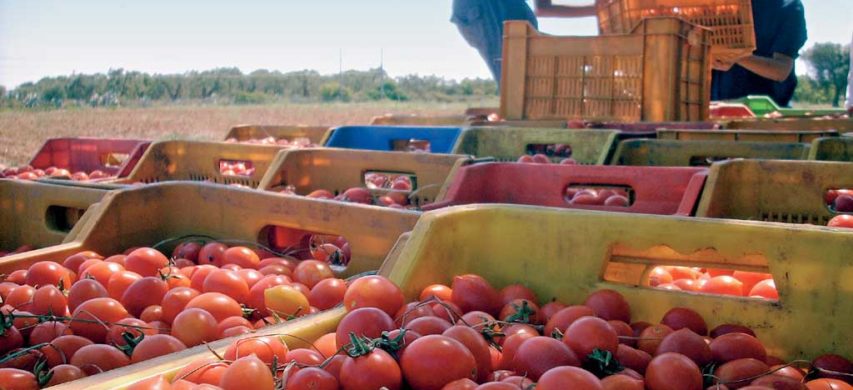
<point x="655" y="190"/>
<point x="510" y="143"/>
<point x="337" y="170"/>
<point x="661" y="72"/>
<point x="730" y="110"/>
<point x="576" y="252"/>
<point x="775" y="191"/>
<point x="764" y="105"/>
<point x="733" y="30"/>
<point x="746" y="135"/>
<point x="113" y="156"/>
<point x="40" y="215"/>
<point x="647" y="127"/>
<point x="832" y="149"/>
<point x="144" y="216"/>
<point x="243" y="133"/>
<point x="668" y="152"/>
<point x="201" y="161"/>
<point x="395" y="138"/>
<point x="842" y="125"/>
<point x="419" y="120"/>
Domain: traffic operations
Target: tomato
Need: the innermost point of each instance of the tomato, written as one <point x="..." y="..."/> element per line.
<point x="286" y="301"/>
<point x="49" y="300"/>
<point x="687" y="343"/>
<point x="739" y="373"/>
<point x="683" y="273"/>
<point x="561" y="320"/>
<point x="439" y="291"/>
<point x="175" y="278"/>
<point x="187" y="250"/>
<point x="119" y="282"/>
<point x="247" y="373"/>
<point x="227" y="282"/>
<point x="672" y="371"/>
<point x="266" y="348"/>
<point x="256" y="293"/>
<point x="539" y="354"/>
<point x="430" y="362"/>
<point x="633" y="358"/>
<point x="312" y="378"/>
<point x="375" y="370"/>
<point x="327" y="253"/>
<point x="549" y="309"/>
<point x="749" y="279"/>
<point x="833" y="363"/>
<point x="366" y="321"/>
<point x="135" y="327"/>
<point x="723" y="285"/>
<point x="250" y="276"/>
<point x="841" y="221"/>
<point x="240" y="255"/>
<point x="96" y="358"/>
<point x="101" y="271"/>
<point x="311" y="272"/>
<point x="357" y="195"/>
<point x="588" y="334"/>
<point x="176" y="300"/>
<point x="374" y="291"/>
<point x="624" y="332"/>
<point x="144" y="292"/>
<point x="622" y="382"/>
<point x="304" y="357"/>
<point x="682" y="317"/>
<point x="520" y="310"/>
<point x="231" y="322"/>
<point x="461" y="384"/>
<point x="13" y="378"/>
<point x="156" y="345"/>
<point x="212" y="253"/>
<point x="609" y="305"/>
<point x="730" y="328"/>
<point x="472" y="292"/>
<point x="73" y="262"/>
<point x="327" y="293"/>
<point x="447" y="311"/>
<point x="200" y="274"/>
<point x="106" y="310"/>
<point x="44" y="332"/>
<point x="477" y="345"/>
<point x="145" y="261"/>
<point x="686" y="284"/>
<point x="85" y="290"/>
<point x="735" y="346"/>
<point x="517" y="291"/>
<point x="568" y="378"/>
<point x="63" y="348"/>
<point x="327" y="344"/>
<point x="412" y="310"/>
<point x="45" y="273"/>
<point x="17" y="277"/>
<point x="194" y="327"/>
<point x="778" y="382"/>
<point x="658" y="276"/>
<point x="510" y="347"/>
<point x="10" y="340"/>
<point x="765" y="289"/>
<point x="828" y="384"/>
<point x="651" y="337"/>
<point x="64" y="373"/>
<point x="219" y="305"/>
<point x="428" y="325"/>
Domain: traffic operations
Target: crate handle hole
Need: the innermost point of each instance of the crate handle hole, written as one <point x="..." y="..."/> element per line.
<point x="599" y="195"/>
<point x="307" y="245"/>
<point x="61" y="218"/>
<point x="410" y="145"/>
<point x="839" y="200"/>
<point x="114" y="160"/>
<point x="706" y="161"/>
<point x="236" y="167"/>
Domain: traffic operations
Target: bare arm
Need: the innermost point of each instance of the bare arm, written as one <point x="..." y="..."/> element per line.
<point x="777" y="68"/>
<point x="544" y="8"/>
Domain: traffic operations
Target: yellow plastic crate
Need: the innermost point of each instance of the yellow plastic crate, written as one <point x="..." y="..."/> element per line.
<point x="510" y="143"/>
<point x="745" y="135"/>
<point x="668" y="152"/>
<point x="200" y="161"/>
<point x="577" y="252"/>
<point x="40" y="214"/>
<point x="842" y="125"/>
<point x="776" y="191"/>
<point x="337" y="170"/>
<point x="316" y="134"/>
<point x="146" y="215"/>
<point x="832" y="149"/>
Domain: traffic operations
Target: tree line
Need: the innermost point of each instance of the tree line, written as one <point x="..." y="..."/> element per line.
<point x="119" y="87"/>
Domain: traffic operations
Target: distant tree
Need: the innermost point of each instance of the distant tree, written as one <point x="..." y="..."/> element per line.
<point x="829" y="64"/>
<point x="809" y="91"/>
<point x="2" y="91"/>
<point x="334" y="91"/>
<point x="54" y="95"/>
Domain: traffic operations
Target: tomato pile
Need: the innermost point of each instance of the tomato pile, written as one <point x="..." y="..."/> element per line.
<point x="296" y="143"/>
<point x="88" y="314"/>
<point x="396" y="197"/>
<point x="236" y="168"/>
<point x="540" y="158"/>
<point x="27" y="172"/>
<point x="714" y="281"/>
<point x="840" y="200"/>
<point x="471" y="335"/>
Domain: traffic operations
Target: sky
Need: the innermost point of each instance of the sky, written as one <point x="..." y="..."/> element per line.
<point x="41" y="38"/>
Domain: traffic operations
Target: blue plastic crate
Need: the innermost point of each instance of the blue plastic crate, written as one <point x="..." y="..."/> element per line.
<point x="390" y="138"/>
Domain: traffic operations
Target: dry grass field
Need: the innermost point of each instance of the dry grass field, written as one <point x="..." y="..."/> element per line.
<point x="23" y="132"/>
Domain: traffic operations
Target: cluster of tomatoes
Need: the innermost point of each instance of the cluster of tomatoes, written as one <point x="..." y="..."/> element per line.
<point x="612" y="196"/>
<point x="27" y="172"/>
<point x="472" y="336"/>
<point x="397" y="196"/>
<point x="296" y="143"/>
<point x="540" y="158"/>
<point x="714" y="281"/>
<point x="840" y="200"/>
<point x="236" y="168"/>
<point x="90" y="314"/>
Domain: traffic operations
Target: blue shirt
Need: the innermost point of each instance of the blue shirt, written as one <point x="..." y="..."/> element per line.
<point x="780" y="27"/>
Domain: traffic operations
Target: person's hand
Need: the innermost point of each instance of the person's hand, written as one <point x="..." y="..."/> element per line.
<point x="722" y="64"/>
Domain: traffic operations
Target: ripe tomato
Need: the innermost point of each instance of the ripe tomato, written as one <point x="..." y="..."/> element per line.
<point x="311" y="272"/>
<point x="374" y="291"/>
<point x="187" y="250"/>
<point x="13" y="378"/>
<point x="375" y="370"/>
<point x="106" y="310"/>
<point x="537" y="355"/>
<point x="85" y="290"/>
<point x="176" y="300"/>
<point x="227" y="282"/>
<point x="45" y="332"/>
<point x="828" y="384"/>
<point x="135" y="327"/>
<point x="266" y="348"/>
<point x="63" y="348"/>
<point x="156" y="345"/>
<point x="101" y="271"/>
<point x="568" y="378"/>
<point x="633" y="358"/>
<point x="588" y="334"/>
<point x="765" y="289"/>
<point x="730" y="328"/>
<point x="428" y="325"/>
<point x="520" y="310"/>
<point x="670" y="371"/>
<point x="96" y="358"/>
<point x="49" y="300"/>
<point x="45" y="273"/>
<point x="430" y="362"/>
<point x="723" y="285"/>
<point x="439" y="291"/>
<point x="472" y="292"/>
<point x="194" y="327"/>
<point x="205" y="370"/>
<point x="312" y="378"/>
<point x="366" y="321"/>
<point x="119" y="282"/>
<point x="219" y="305"/>
<point x="517" y="291"/>
<point x="247" y="373"/>
<point x="739" y="373"/>
<point x="11" y="340"/>
<point x="64" y="373"/>
<point x="622" y="382"/>
<point x="658" y="276"/>
<point x="240" y="255"/>
<point x="510" y="346"/>
<point x="144" y="292"/>
<point x="145" y="261"/>
<point x="682" y="317"/>
<point x="841" y="221"/>
<point x="687" y="343"/>
<point x="327" y="293"/>
<point x="735" y="346"/>
<point x="73" y="262"/>
<point x="212" y="253"/>
<point x="835" y="363"/>
<point x="565" y="317"/>
<point x="651" y="337"/>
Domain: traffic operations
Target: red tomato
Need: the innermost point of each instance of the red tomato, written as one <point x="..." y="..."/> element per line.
<point x="651" y="337"/>
<point x="212" y="253"/>
<point x="49" y="300"/>
<point x="687" y="343"/>
<point x="739" y="373"/>
<point x="723" y="285"/>
<point x="219" y="305"/>
<point x="119" y="283"/>
<point x="45" y="273"/>
<point x="312" y="378"/>
<point x="63" y="348"/>
<point x="472" y="292"/>
<point x="520" y="310"/>
<point x="539" y="354"/>
<point x="477" y="345"/>
<point x="133" y="326"/>
<point x="439" y="291"/>
<point x="765" y="289"/>
<point x="622" y="382"/>
<point x="517" y="291"/>
<point x="430" y="362"/>
<point x="156" y="345"/>
<point x="96" y="358"/>
<point x="549" y="309"/>
<point x="145" y="261"/>
<point x="73" y="262"/>
<point x="374" y="291"/>
<point x="510" y="347"/>
<point x="44" y="332"/>
<point x="327" y="293"/>
<point x="187" y="250"/>
<point x="266" y="348"/>
<point x="13" y="378"/>
<point x="144" y="292"/>
<point x="64" y="373"/>
<point x="311" y="272"/>
<point x="609" y="305"/>
<point x="227" y="282"/>
<point x="176" y="300"/>
<point x="834" y="363"/>
<point x="568" y="378"/>
<point x="841" y="221"/>
<point x="588" y="334"/>
<point x="247" y="373"/>
<point x="671" y="371"/>
<point x="682" y="317"/>
<point x="106" y="310"/>
<point x="428" y="325"/>
<point x="735" y="346"/>
<point x="366" y="321"/>
<point x="242" y="256"/>
<point x="372" y="371"/>
<point x="194" y="327"/>
<point x="632" y="358"/>
<point x="101" y="271"/>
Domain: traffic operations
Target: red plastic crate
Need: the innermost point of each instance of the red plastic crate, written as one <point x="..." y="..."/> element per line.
<point x="115" y="157"/>
<point x="656" y="190"/>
